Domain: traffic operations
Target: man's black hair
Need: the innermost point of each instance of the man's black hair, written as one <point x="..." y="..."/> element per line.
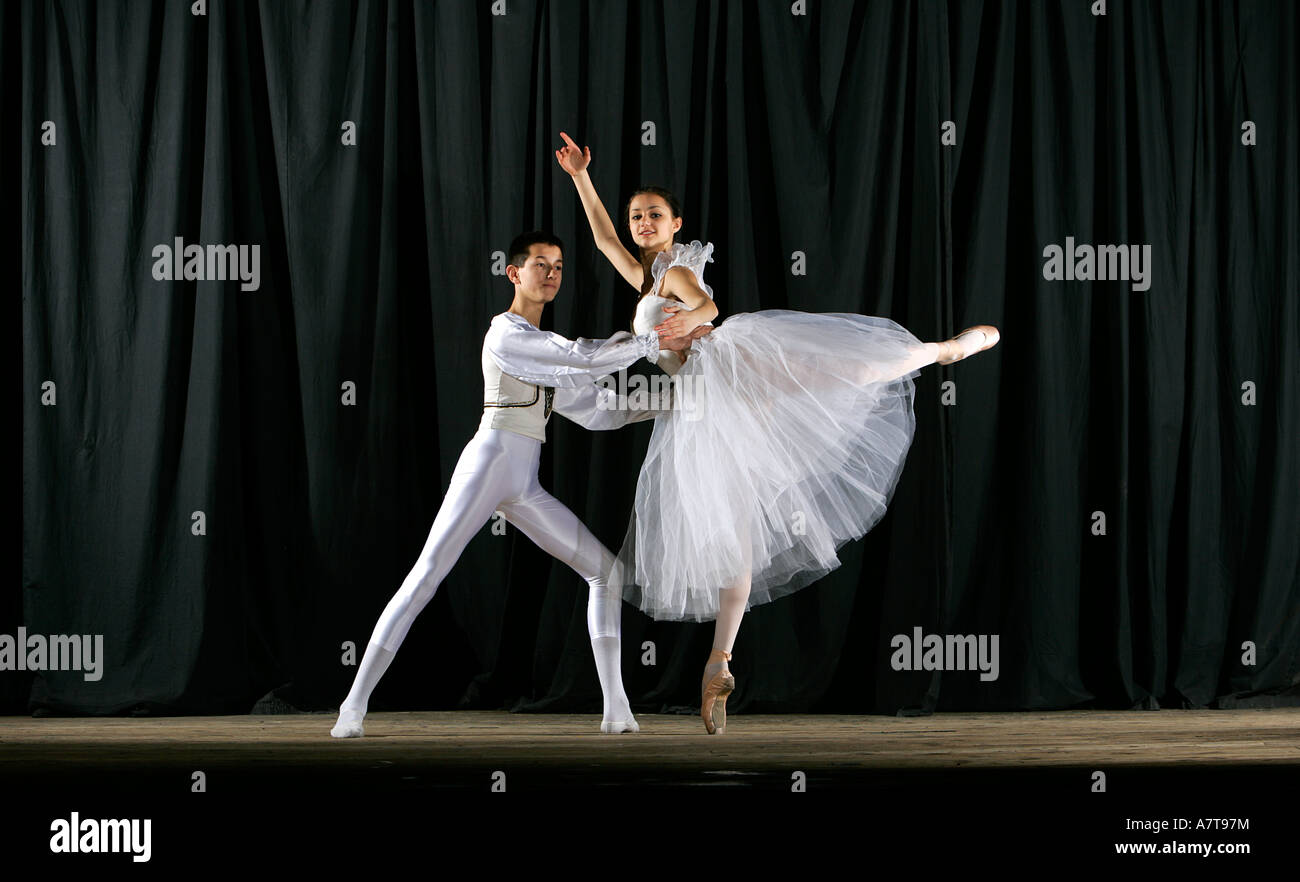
<point x="519" y="248"/>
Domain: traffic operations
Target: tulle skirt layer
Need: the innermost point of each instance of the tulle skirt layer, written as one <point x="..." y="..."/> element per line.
<point x="788" y="438"/>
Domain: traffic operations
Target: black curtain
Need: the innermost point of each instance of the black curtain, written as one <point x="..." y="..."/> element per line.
<point x="1111" y="491"/>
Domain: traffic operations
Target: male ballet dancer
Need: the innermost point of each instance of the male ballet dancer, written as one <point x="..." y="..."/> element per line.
<point x="498" y="471"/>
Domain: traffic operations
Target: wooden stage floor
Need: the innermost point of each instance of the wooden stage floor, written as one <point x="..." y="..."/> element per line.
<point x="1017" y="778"/>
<point x="463" y="748"/>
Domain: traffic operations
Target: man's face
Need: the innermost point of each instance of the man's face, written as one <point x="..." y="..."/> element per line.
<point x="539" y="278"/>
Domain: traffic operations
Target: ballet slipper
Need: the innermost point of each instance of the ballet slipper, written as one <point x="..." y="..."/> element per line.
<point x="991" y="338"/>
<point x="349" y="725"/>
<point x="713" y="699"/>
<point x="616" y="727"/>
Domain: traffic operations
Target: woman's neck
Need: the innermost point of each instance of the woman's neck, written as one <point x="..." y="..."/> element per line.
<point x="648" y="257"/>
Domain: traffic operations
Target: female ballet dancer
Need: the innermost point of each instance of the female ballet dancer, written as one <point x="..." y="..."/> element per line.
<point x="790" y="444"/>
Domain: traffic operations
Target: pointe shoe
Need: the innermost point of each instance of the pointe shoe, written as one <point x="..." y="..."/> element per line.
<point x="991" y="338"/>
<point x="616" y="727"/>
<point x="349" y="725"/>
<point x="713" y="700"/>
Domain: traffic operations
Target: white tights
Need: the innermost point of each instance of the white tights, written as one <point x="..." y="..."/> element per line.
<point x="497" y="471"/>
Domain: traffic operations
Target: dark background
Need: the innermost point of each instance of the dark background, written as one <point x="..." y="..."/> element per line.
<point x="780" y="133"/>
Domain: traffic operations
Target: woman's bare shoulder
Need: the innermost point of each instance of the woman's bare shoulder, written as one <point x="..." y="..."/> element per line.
<point x="678" y="280"/>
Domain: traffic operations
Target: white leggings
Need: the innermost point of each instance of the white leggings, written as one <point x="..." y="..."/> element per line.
<point x="498" y="471"/>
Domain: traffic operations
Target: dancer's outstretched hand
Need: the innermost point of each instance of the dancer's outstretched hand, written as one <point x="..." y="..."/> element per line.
<point x="571" y="159"/>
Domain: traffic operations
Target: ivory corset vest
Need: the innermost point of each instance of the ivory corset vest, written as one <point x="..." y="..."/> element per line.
<point x="513" y="405"/>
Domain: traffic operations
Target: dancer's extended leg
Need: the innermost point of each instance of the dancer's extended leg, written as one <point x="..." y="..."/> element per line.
<point x="485" y="474"/>
<point x="955" y="349"/>
<point x="917" y="358"/>
<point x="557" y="531"/>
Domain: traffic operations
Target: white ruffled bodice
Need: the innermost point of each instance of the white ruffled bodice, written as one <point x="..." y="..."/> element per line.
<point x="650" y="309"/>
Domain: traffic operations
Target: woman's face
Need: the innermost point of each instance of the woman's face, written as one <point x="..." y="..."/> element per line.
<point x="651" y="222"/>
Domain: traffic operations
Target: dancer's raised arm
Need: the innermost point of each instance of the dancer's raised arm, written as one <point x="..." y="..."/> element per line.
<point x="575" y="162"/>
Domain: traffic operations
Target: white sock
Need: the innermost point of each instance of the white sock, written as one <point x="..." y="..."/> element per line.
<point x="617" y="715"/>
<point x="353" y="710"/>
<point x="605" y="627"/>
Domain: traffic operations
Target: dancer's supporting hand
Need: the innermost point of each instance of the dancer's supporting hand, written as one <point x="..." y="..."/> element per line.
<point x="679" y="325"/>
<point x="683" y="343"/>
<point x="677" y="344"/>
<point x="570" y="158"/>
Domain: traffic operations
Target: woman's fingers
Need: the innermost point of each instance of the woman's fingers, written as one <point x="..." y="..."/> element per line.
<point x="573" y="151"/>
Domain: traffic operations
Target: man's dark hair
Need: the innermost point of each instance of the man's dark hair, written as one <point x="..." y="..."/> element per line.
<point x="524" y="241"/>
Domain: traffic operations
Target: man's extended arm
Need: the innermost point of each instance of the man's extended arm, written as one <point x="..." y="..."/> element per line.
<point x="599" y="407"/>
<point x="547" y="359"/>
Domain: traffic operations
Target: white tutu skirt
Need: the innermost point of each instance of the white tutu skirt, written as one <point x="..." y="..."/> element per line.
<point x="787" y="439"/>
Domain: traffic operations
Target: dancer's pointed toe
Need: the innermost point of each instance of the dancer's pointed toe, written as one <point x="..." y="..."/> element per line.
<point x="713" y="705"/>
<point x="958" y="349"/>
<point x="713" y="697"/>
